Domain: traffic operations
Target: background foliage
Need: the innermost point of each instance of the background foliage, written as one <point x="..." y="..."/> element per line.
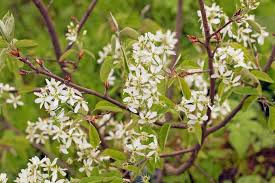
<point x="244" y="151"/>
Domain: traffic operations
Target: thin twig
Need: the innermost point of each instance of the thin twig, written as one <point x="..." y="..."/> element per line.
<point x="221" y="28"/>
<point x="49" y="24"/>
<point x="176" y="153"/>
<point x="83" y="20"/>
<point x="173" y="125"/>
<point x="270" y="60"/>
<point x="228" y="118"/>
<point x="210" y="59"/>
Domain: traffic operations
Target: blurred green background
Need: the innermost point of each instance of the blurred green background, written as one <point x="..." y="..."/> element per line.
<point x="29" y="25"/>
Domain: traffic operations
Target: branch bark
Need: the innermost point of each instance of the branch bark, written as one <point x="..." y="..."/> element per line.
<point x="49" y="24"/>
<point x="270" y="60"/>
<point x="210" y="58"/>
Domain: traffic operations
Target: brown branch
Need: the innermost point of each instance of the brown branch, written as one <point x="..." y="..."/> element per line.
<point x="210" y="58"/>
<point x="46" y="72"/>
<point x="173" y="125"/>
<point x="83" y="20"/>
<point x="186" y="165"/>
<point x="221" y="28"/>
<point x="42" y="70"/>
<point x="49" y="24"/>
<point x="227" y="118"/>
<point x="176" y="153"/>
<point x="270" y="60"/>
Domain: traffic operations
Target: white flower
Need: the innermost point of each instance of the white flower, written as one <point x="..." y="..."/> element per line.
<point x="5" y="88"/>
<point x="3" y="178"/>
<point x="141" y="144"/>
<point x="42" y="171"/>
<point x="111" y="78"/>
<point x="250" y="4"/>
<point x="71" y="34"/>
<point x="151" y="53"/>
<point x="81" y="103"/>
<point x="54" y="94"/>
<point x="107" y="51"/>
<point x="87" y="167"/>
<point x="14" y="100"/>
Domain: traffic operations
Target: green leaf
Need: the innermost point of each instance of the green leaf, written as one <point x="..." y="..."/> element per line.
<point x="94" y="136"/>
<point x="271" y="120"/>
<point x="239" y="140"/>
<point x="66" y="54"/>
<point x="115" y="154"/>
<point x="3" y="43"/>
<point x="106" y="68"/>
<point x="128" y="32"/>
<point x="25" y="43"/>
<point x="188" y="64"/>
<point x="247" y="52"/>
<point x="105" y="105"/>
<point x="249" y="101"/>
<point x="167" y="101"/>
<point x="125" y="59"/>
<point x="89" y="53"/>
<point x="163" y="135"/>
<point x="262" y="76"/>
<point x="184" y="88"/>
<point x="198" y="132"/>
<point x="250" y="179"/>
<point x="148" y="25"/>
<point x="254" y="25"/>
<point x="245" y="90"/>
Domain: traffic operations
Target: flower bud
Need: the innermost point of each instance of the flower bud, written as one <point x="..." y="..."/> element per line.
<point x="39" y="61"/>
<point x="15" y="53"/>
<point x="192" y="39"/>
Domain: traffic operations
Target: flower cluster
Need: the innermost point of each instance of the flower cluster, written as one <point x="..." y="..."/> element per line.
<point x="226" y="60"/>
<point x="195" y="108"/>
<point x="10" y="98"/>
<point x="151" y="54"/>
<point x="69" y="134"/>
<point x="42" y="171"/>
<point x="3" y="178"/>
<point x="215" y="17"/>
<point x="247" y="34"/>
<point x="198" y="83"/>
<point x="56" y="93"/>
<point x="250" y="4"/>
<point x="113" y="129"/>
<point x="137" y="142"/>
<point x="246" y="30"/>
<point x="116" y="55"/>
<point x="72" y="33"/>
<point x="141" y="144"/>
<point x="109" y="51"/>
